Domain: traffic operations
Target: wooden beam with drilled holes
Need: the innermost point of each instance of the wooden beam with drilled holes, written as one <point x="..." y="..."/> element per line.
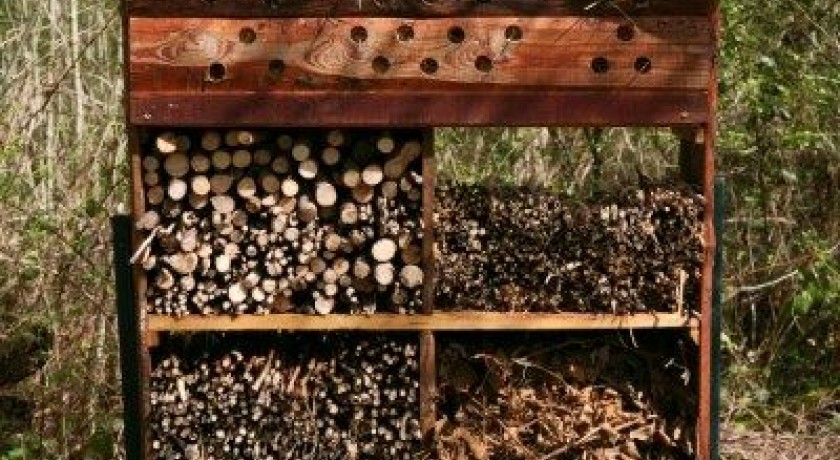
<point x="383" y="54"/>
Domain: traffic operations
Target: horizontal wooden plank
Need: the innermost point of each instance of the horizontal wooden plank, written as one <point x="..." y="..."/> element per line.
<point x="412" y="8"/>
<point x="218" y="56"/>
<point x="420" y="108"/>
<point x="461" y="321"/>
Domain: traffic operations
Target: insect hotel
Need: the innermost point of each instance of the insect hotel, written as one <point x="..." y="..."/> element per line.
<point x="294" y="282"/>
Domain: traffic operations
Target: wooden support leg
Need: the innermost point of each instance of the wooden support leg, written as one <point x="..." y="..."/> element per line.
<point x="428" y="364"/>
<point x="697" y="161"/>
<point x="706" y="176"/>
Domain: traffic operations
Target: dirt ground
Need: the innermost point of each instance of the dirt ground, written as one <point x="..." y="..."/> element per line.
<point x="755" y="445"/>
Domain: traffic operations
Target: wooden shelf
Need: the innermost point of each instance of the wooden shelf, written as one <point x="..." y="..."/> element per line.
<point x="460" y="321"/>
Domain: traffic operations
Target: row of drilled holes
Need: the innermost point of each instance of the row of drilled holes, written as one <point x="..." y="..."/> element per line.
<point x="429" y="66"/>
<point x="600" y="64"/>
<point x="380" y="64"/>
<point x="455" y="34"/>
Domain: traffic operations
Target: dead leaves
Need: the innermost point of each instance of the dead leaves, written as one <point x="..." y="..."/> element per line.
<point x="501" y="402"/>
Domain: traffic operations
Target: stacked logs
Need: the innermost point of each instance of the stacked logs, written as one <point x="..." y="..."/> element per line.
<point x="523" y="249"/>
<point x="259" y="221"/>
<point x="314" y="397"/>
<point x="583" y="398"/>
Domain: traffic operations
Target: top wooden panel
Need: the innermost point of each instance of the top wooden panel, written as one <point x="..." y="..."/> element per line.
<point x="420" y="72"/>
<point x="414" y="8"/>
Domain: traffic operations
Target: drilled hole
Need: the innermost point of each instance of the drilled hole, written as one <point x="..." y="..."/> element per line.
<point x="247" y="35"/>
<point x="600" y="65"/>
<point x="513" y="33"/>
<point x="456" y="34"/>
<point x="483" y="64"/>
<point x="643" y="64"/>
<point x="358" y="34"/>
<point x="625" y="32"/>
<point x="216" y="72"/>
<point x="381" y="64"/>
<point x="276" y="67"/>
<point x="429" y="66"/>
<point x="405" y="33"/>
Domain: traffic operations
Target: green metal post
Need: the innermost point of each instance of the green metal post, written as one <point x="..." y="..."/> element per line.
<point x="717" y="299"/>
<point x="129" y="336"/>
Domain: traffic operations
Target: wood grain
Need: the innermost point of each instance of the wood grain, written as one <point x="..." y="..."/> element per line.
<point x="461" y="321"/>
<point x="428" y="385"/>
<point x="369" y="54"/>
<point x="418" y="109"/>
<point x="704" y="422"/>
<point x="413" y="8"/>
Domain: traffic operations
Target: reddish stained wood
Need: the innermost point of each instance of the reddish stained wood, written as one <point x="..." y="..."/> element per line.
<point x="176" y="55"/>
<point x="411" y="8"/>
<point x="704" y="429"/>
<point x="421" y="108"/>
<point x="706" y="299"/>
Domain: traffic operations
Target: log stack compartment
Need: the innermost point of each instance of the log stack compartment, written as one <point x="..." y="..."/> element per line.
<point x="320" y="66"/>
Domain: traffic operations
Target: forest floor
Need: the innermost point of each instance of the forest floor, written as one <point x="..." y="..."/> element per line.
<point x="767" y="445"/>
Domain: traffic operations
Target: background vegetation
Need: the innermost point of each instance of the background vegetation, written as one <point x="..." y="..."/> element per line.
<point x="63" y="171"/>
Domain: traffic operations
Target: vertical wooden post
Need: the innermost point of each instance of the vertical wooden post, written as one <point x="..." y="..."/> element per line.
<point x="429" y="183"/>
<point x="705" y="436"/>
<point x="706" y="303"/>
<point x="428" y="386"/>
<point x="428" y="369"/>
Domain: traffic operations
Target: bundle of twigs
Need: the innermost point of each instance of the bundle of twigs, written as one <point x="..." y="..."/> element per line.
<point x="587" y="399"/>
<point x="259" y="221"/>
<point x="525" y="249"/>
<point x="308" y="396"/>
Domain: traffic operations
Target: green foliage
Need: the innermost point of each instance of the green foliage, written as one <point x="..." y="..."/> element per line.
<point x="812" y="349"/>
<point x="780" y="147"/>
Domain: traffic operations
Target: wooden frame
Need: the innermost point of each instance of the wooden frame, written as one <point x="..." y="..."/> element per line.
<point x="177" y="94"/>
